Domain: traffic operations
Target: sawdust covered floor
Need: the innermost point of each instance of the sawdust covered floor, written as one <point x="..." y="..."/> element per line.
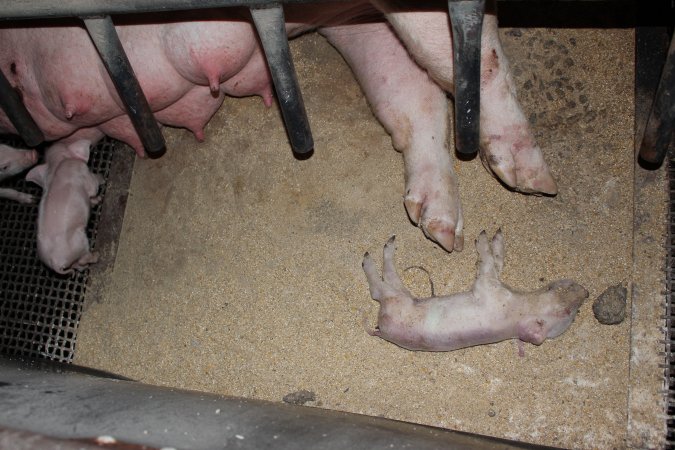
<point x="239" y="267"/>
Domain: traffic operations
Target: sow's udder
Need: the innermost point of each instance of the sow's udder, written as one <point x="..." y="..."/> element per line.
<point x="184" y="69"/>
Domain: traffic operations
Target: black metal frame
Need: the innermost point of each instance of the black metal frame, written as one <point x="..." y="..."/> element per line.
<point x="658" y="135"/>
<point x="270" y="23"/>
<point x="467" y="26"/>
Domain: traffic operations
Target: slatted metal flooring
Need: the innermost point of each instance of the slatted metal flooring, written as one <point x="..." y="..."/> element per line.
<point x="39" y="309"/>
<point x="669" y="366"/>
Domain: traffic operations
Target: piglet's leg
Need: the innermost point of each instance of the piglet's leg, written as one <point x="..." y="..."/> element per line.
<point x="96" y="181"/>
<point x="389" y="270"/>
<point x="17" y="196"/>
<point x="497" y="246"/>
<point x="485" y="265"/>
<point x="389" y="287"/>
<point x="378" y="289"/>
<point x="508" y="148"/>
<point x="413" y="110"/>
<point x="490" y="260"/>
<point x="86" y="260"/>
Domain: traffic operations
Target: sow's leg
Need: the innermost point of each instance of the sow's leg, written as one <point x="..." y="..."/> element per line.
<point x="507" y="145"/>
<point x="413" y="110"/>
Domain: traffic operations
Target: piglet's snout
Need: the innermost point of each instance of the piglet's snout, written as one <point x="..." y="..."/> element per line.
<point x="569" y="293"/>
<point x="14" y="161"/>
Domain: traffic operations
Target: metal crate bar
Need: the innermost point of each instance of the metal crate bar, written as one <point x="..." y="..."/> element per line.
<point x="466" y="18"/>
<point x="17" y="113"/>
<point x="40" y="9"/>
<point x="83" y="405"/>
<point x="107" y="42"/>
<point x="660" y="128"/>
<point x="271" y="27"/>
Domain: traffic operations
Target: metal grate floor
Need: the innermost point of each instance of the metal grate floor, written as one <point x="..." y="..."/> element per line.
<point x="670" y="307"/>
<point x="40" y="309"/>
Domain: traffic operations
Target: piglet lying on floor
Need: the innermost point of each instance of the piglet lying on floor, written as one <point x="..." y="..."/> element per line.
<point x="14" y="161"/>
<point x="490" y="312"/>
<point x="69" y="191"/>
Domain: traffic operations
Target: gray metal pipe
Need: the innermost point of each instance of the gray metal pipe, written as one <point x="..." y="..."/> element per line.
<point x="660" y="130"/>
<point x="466" y="19"/>
<point x="58" y="400"/>
<point x="40" y="9"/>
<point x="11" y="103"/>
<point x="271" y="26"/>
<point x="33" y="9"/>
<point x="104" y="36"/>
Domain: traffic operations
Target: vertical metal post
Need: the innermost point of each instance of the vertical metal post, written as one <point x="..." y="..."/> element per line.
<point x="103" y="34"/>
<point x="11" y="103"/>
<point x="466" y="18"/>
<point x="270" y="23"/>
<point x="660" y="130"/>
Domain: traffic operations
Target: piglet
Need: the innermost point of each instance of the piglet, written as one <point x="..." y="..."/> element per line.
<point x="490" y="312"/>
<point x="14" y="161"/>
<point x="69" y="191"/>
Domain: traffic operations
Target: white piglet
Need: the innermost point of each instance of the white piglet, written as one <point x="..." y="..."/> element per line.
<point x="69" y="191"/>
<point x="490" y="312"/>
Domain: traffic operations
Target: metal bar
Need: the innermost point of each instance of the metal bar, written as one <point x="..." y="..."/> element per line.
<point x="33" y="9"/>
<point x="660" y="129"/>
<point x="11" y="103"/>
<point x="269" y="21"/>
<point x="71" y="405"/>
<point x="41" y="9"/>
<point x="466" y="18"/>
<point x="103" y="34"/>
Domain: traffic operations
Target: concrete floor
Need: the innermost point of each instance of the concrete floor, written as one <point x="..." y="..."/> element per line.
<point x="238" y="269"/>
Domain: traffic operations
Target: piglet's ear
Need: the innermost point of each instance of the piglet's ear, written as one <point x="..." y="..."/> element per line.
<point x="38" y="175"/>
<point x="80" y="150"/>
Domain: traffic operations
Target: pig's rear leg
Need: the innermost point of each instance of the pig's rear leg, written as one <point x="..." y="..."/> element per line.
<point x="508" y="148"/>
<point x="413" y="110"/>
